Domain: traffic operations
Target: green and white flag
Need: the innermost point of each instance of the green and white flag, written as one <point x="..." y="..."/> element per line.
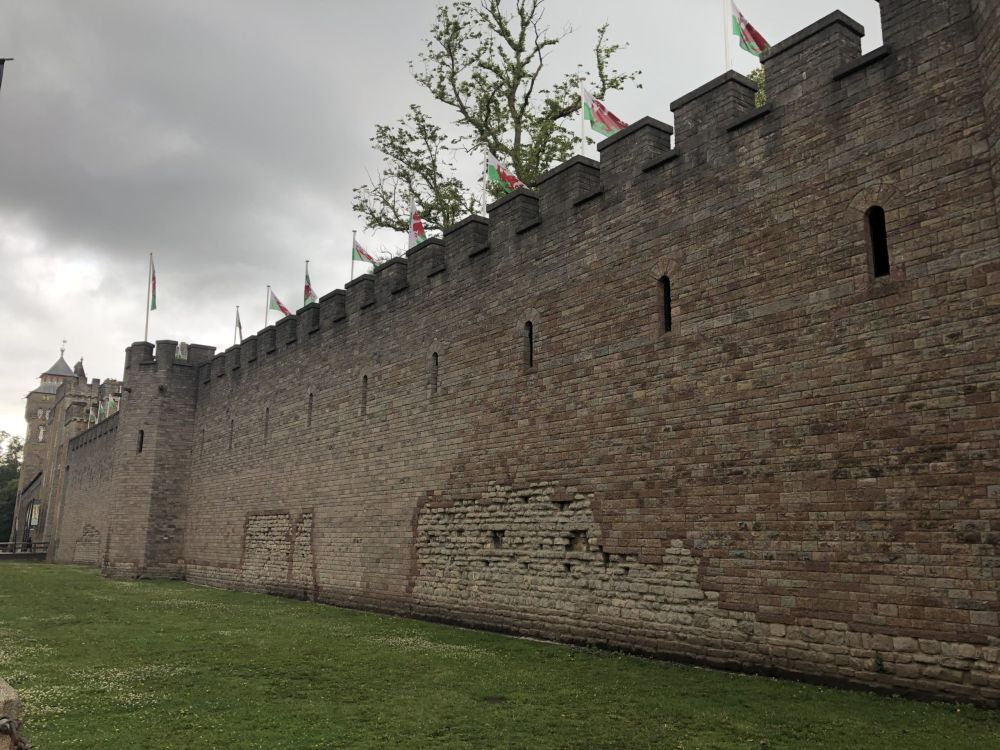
<point x="308" y="295"/>
<point x="152" y="284"/>
<point x="275" y="304"/>
<point x="499" y="174"/>
<point x="359" y="253"/>
<point x="750" y="39"/>
<point x="601" y="119"/>
<point x="417" y="232"/>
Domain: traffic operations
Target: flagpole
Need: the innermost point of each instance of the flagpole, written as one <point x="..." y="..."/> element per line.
<point x="234" y="324"/>
<point x="304" y="300"/>
<point x="727" y="22"/>
<point x="149" y="287"/>
<point x="267" y="305"/>
<point x="354" y="242"/>
<point x="583" y="121"/>
<point x="484" y="178"/>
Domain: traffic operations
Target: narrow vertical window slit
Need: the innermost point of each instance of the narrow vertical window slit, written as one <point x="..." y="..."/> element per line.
<point x="878" y="240"/>
<point x="666" y="303"/>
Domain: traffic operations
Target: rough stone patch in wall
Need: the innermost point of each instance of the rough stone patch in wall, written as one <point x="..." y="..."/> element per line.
<point x="532" y="562"/>
<point x="88" y="546"/>
<point x="517" y="553"/>
<point x="278" y="554"/>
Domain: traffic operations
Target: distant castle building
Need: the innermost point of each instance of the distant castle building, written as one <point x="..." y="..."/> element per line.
<point x="730" y="394"/>
<point x="62" y="406"/>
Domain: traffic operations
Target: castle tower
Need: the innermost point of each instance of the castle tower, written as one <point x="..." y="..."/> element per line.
<point x="38" y="442"/>
<point x="152" y="454"/>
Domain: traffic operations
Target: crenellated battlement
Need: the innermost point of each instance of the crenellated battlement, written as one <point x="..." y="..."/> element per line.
<point x="709" y="121"/>
<point x="102" y="429"/>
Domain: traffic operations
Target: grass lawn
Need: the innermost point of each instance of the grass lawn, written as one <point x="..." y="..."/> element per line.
<point x="168" y="665"/>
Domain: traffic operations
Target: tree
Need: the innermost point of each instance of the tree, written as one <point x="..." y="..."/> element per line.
<point x="486" y="65"/>
<point x="10" y="468"/>
<point x="757" y="76"/>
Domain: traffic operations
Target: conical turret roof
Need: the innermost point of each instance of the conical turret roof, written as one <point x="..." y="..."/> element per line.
<point x="60" y="368"/>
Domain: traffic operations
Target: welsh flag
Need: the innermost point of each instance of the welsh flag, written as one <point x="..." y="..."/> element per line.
<point x="600" y="117"/>
<point x="152" y="283"/>
<point x="275" y="304"/>
<point x="750" y="39"/>
<point x="308" y="295"/>
<point x="359" y="253"/>
<point x="502" y="176"/>
<point x="417" y="232"/>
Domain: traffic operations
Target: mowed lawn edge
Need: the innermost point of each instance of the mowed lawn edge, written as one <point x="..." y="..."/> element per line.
<point x="145" y="664"/>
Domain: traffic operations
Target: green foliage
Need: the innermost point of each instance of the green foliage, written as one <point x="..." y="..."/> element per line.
<point x="487" y="66"/>
<point x="757" y="76"/>
<point x="167" y="665"/>
<point x="10" y="467"/>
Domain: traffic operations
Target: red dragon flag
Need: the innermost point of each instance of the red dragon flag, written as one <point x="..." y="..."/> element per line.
<point x="417" y="232"/>
<point x="152" y="283"/>
<point x="275" y="304"/>
<point x="600" y="117"/>
<point x="359" y="253"/>
<point x="499" y="174"/>
<point x="750" y="39"/>
<point x="308" y="295"/>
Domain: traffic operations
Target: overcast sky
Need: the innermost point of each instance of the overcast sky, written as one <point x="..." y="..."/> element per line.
<point x="225" y="137"/>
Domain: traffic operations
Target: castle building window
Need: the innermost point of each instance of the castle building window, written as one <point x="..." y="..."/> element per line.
<point x="142" y="438"/>
<point x="666" y="317"/>
<point x="309" y="412"/>
<point x="41" y="433"/>
<point x="364" y="395"/>
<point x="529" y="344"/>
<point x="34" y="514"/>
<point x="434" y="373"/>
<point x="232" y="425"/>
<point x="878" y="240"/>
<point x="41" y="413"/>
<point x="267" y="422"/>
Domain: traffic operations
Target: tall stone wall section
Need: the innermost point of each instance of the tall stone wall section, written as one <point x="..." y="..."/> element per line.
<point x="987" y="22"/>
<point x="799" y="475"/>
<point x="82" y="515"/>
<point x="151" y="461"/>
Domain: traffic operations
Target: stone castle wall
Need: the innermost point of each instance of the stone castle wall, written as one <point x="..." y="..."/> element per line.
<point x="82" y="514"/>
<point x="799" y="475"/>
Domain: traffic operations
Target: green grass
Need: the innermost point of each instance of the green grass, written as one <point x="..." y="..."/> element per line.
<point x="168" y="665"/>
